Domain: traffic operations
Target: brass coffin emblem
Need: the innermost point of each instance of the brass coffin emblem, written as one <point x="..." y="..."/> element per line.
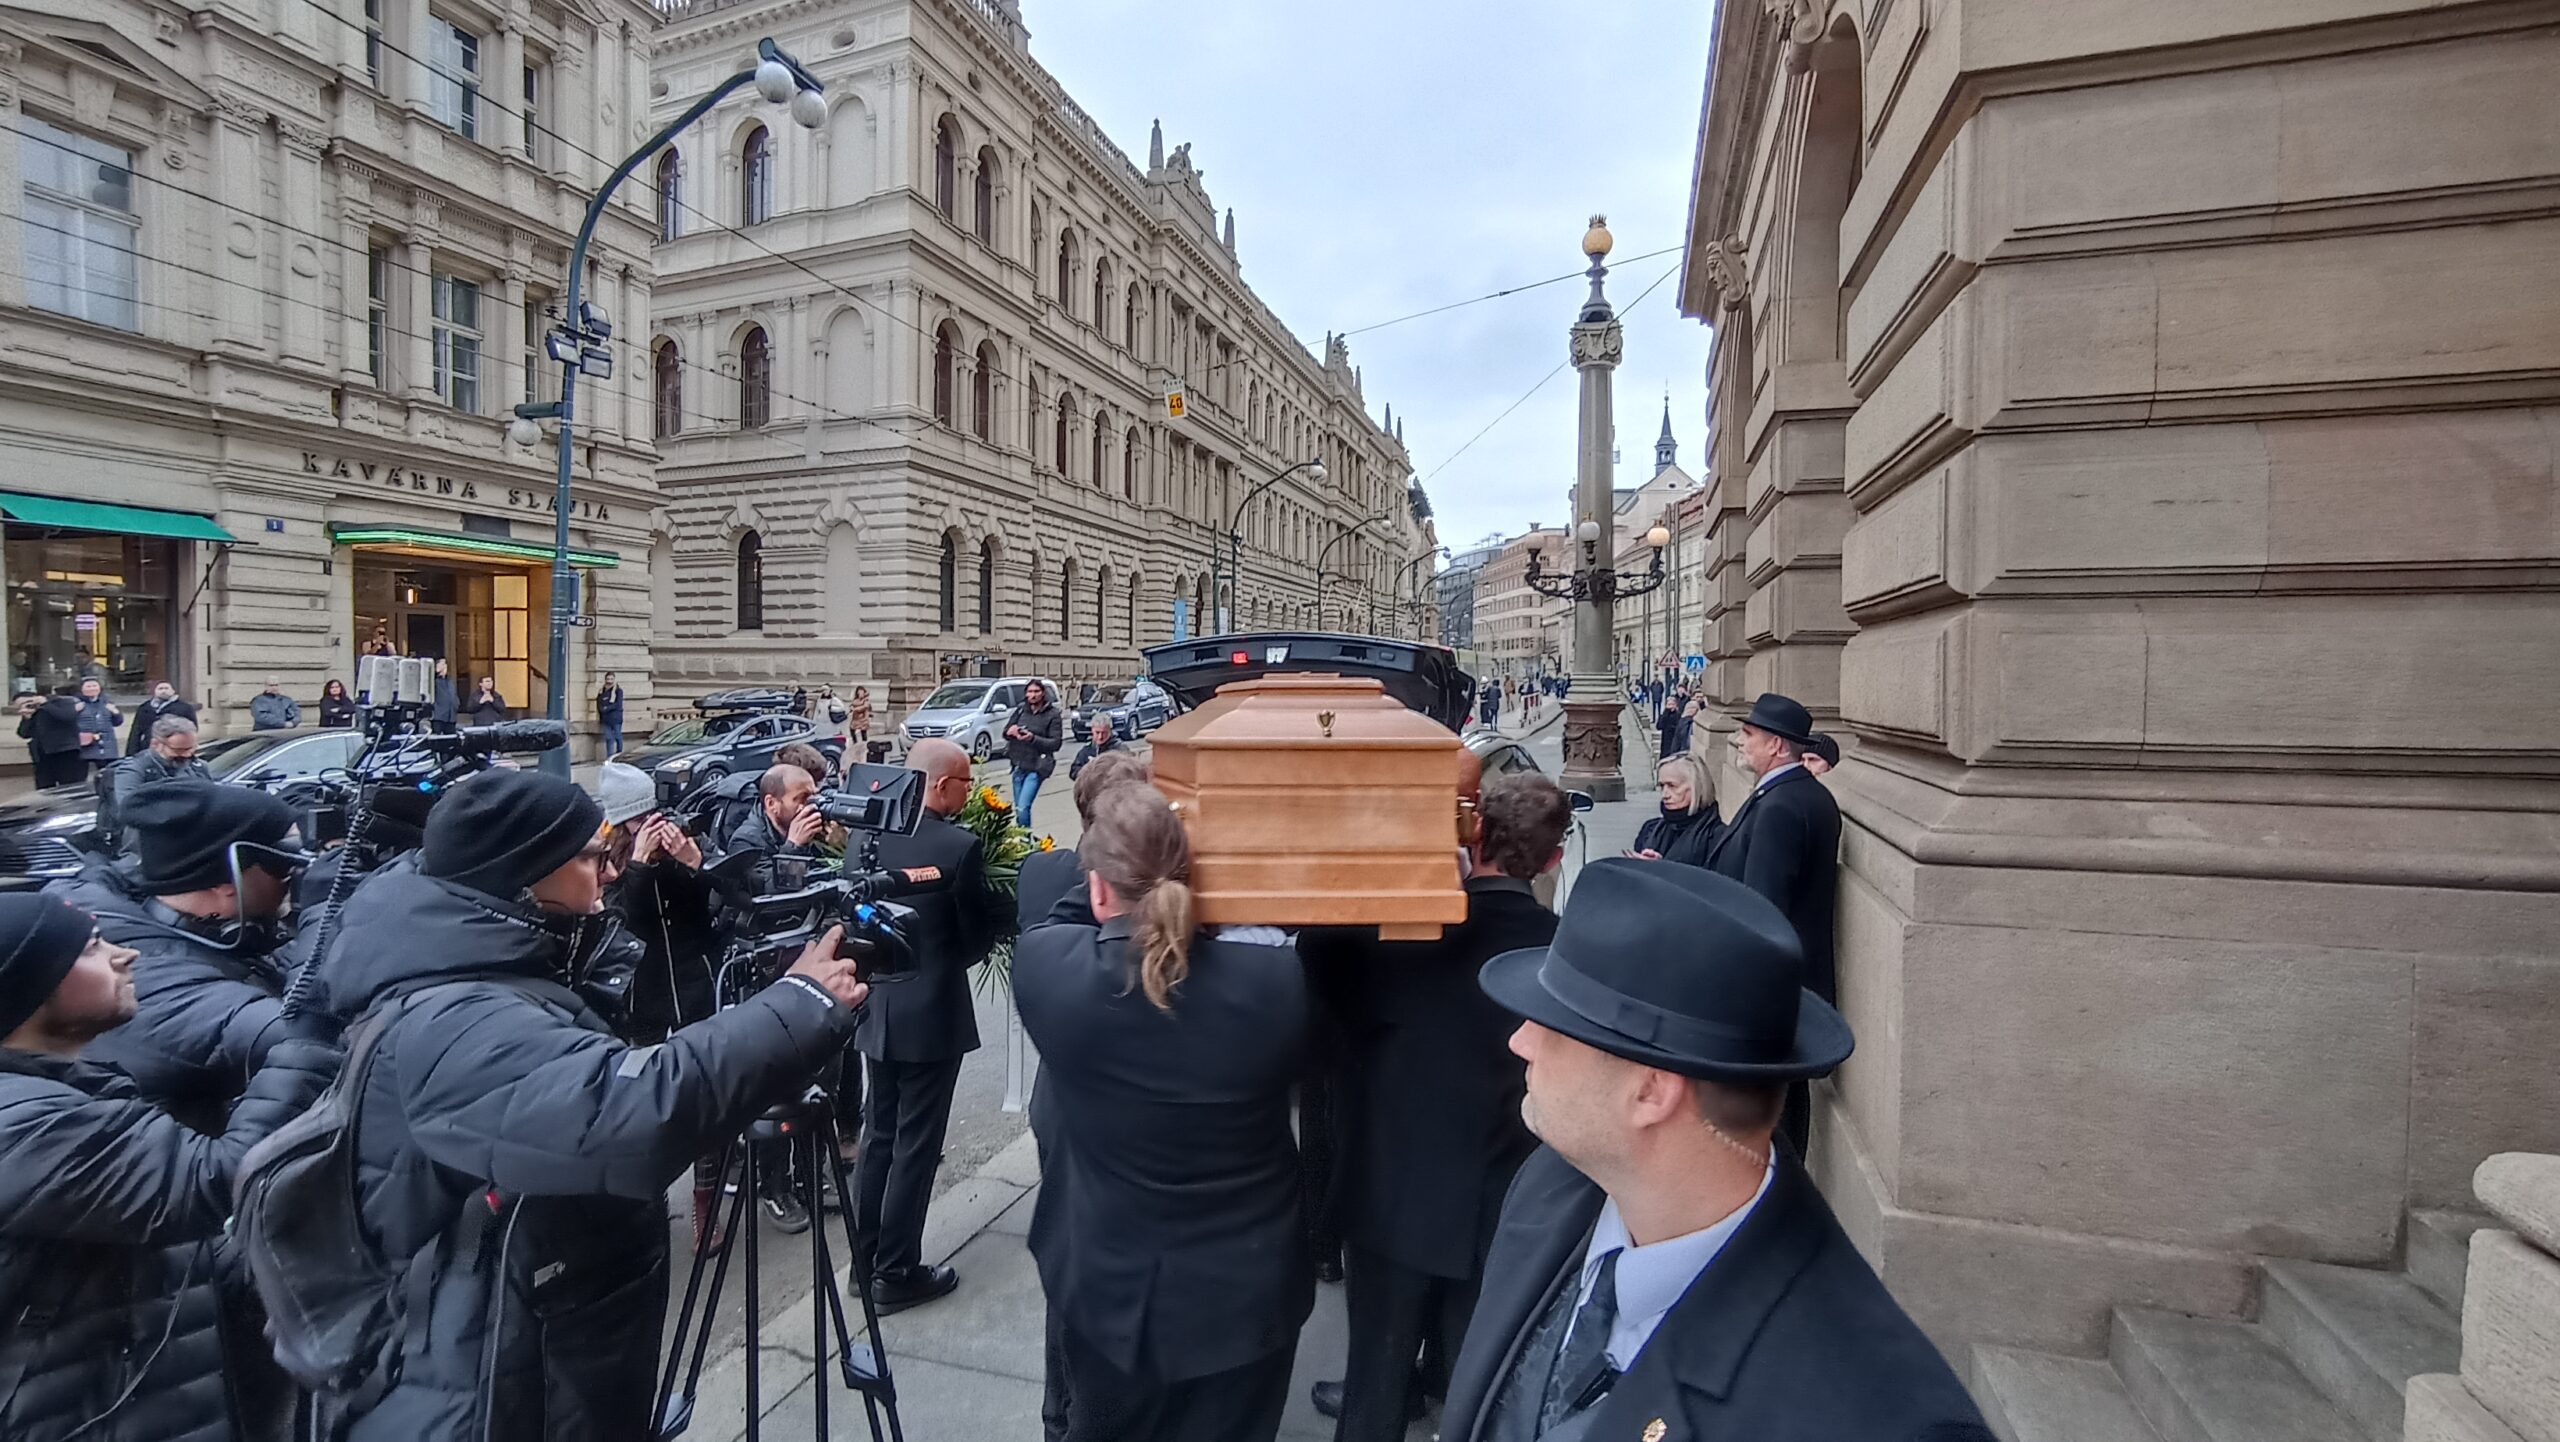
<point x="1325" y="720"/>
<point x="1654" y="1430"/>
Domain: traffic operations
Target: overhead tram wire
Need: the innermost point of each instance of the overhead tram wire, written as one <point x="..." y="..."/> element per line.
<point x="1561" y="366"/>
<point x="1499" y="294"/>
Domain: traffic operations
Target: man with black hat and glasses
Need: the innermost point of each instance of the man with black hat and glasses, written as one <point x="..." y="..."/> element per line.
<point x="202" y="903"/>
<point x="114" y="1320"/>
<point x="1663" y="1269"/>
<point x="1784" y="843"/>
<point x="513" y="1155"/>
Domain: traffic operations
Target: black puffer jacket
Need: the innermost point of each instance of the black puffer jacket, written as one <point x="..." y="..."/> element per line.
<point x="1682" y="836"/>
<point x="112" y="1273"/>
<point x="208" y="1015"/>
<point x="1048" y="733"/>
<point x="520" y="1154"/>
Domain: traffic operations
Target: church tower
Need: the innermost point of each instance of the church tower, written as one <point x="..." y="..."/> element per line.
<point x="1666" y="451"/>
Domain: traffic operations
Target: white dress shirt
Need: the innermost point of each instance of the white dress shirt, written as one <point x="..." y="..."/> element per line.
<point x="1763" y="783"/>
<point x="1652" y="1279"/>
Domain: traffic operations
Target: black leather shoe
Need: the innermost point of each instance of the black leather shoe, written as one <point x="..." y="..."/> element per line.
<point x="892" y="1295"/>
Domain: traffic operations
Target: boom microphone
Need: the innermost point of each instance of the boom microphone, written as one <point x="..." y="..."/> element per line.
<point x="506" y="736"/>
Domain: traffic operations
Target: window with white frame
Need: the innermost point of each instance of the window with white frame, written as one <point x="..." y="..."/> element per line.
<point x="536" y="147"/>
<point x="83" y="235"/>
<point x="373" y="42"/>
<point x="455" y="86"/>
<point x="457" y="342"/>
<point x="377" y="313"/>
<point x="538" y="382"/>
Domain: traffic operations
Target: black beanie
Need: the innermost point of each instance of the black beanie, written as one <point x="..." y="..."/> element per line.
<point x="185" y="830"/>
<point x="40" y="937"/>
<point x="501" y="831"/>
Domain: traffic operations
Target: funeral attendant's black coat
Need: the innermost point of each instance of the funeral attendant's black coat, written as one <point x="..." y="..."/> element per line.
<point x="1785" y="844"/>
<point x="1787" y="1336"/>
<point x="1167" y="1229"/>
<point x="1430" y="1092"/>
<point x="929" y="1014"/>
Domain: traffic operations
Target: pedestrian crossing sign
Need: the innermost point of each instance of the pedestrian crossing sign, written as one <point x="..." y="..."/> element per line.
<point x="1173" y="403"/>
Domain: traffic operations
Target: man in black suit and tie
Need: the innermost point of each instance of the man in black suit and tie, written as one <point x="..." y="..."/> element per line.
<point x="1784" y="843"/>
<point x="1663" y="1270"/>
<point x="914" y="1033"/>
<point x="1430" y="1108"/>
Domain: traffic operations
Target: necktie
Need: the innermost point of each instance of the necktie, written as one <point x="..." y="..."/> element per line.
<point x="1584" y="1358"/>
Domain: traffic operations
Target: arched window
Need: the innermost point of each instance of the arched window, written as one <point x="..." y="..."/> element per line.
<point x="1066" y="272"/>
<point x="1101" y="477"/>
<point x="750" y="582"/>
<point x="755" y="380"/>
<point x="666" y="369"/>
<point x="982" y="393"/>
<point x="987" y="587"/>
<point x="1101" y="293"/>
<point x="983" y="203"/>
<point x="670" y="194"/>
<point x="946" y="344"/>
<point x="949" y="581"/>
<point x="755" y="179"/>
<point x="1129" y="463"/>
<point x="946" y="168"/>
<point x="1066" y="415"/>
<point x="1067" y="601"/>
<point x="1129" y="322"/>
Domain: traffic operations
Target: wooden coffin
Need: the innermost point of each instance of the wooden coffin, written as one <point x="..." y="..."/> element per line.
<point x="1316" y="800"/>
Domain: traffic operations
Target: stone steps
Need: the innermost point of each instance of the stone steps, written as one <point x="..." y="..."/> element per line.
<point x="2329" y="1359"/>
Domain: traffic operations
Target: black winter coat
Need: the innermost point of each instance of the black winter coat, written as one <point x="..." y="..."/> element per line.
<point x="207" y="1015"/>
<point x="1682" y="836"/>
<point x="1167" y="1231"/>
<point x="518" y="1156"/>
<point x="1787" y="1336"/>
<point x="1430" y="1092"/>
<point x="929" y="1015"/>
<point x="1048" y="880"/>
<point x="116" y="786"/>
<point x="111" y="1217"/>
<point x="1048" y="733"/>
<point x="674" y="913"/>
<point x="53" y="727"/>
<point x="1785" y="844"/>
<point x="148" y="714"/>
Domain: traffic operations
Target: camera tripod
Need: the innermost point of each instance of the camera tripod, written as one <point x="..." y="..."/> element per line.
<point x="806" y="1129"/>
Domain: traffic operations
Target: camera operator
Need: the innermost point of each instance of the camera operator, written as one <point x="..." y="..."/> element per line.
<point x="114" y="1324"/>
<point x="666" y="902"/>
<point x="201" y="906"/>
<point x="513" y="1156"/>
<point x="394" y="824"/>
<point x="170" y="756"/>
<point x="915" y="1032"/>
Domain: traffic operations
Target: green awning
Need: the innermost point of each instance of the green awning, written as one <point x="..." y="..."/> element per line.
<point x="120" y="520"/>
<point x="427" y="543"/>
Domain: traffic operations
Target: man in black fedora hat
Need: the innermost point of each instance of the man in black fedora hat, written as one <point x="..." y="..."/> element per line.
<point x="1784" y="842"/>
<point x="1663" y="1270"/>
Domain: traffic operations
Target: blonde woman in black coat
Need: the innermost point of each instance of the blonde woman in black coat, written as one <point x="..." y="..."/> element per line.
<point x="1167" y="1230"/>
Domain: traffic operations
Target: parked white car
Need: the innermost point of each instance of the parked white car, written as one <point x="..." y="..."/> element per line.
<point x="970" y="713"/>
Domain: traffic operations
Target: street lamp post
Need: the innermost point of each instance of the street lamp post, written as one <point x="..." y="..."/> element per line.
<point x="579" y="344"/>
<point x="1235" y="537"/>
<point x="1439" y="553"/>
<point x="1591" y="725"/>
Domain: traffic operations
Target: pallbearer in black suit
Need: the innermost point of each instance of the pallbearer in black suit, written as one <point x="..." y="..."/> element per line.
<point x="1167" y="1228"/>
<point x="1665" y="1272"/>
<point x="915" y="1031"/>
<point x="1785" y="844"/>
<point x="1431" y="1129"/>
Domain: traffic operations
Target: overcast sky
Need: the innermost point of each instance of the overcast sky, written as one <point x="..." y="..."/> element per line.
<point x="1387" y="156"/>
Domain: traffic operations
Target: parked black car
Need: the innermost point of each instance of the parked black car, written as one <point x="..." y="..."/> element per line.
<point x="732" y="732"/>
<point x="44" y="834"/>
<point x="1134" y="709"/>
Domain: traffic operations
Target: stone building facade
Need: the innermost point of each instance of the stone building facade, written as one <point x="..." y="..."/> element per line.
<point x="271" y="278"/>
<point x="1641" y="625"/>
<point x="1517" y="630"/>
<point x="2136" y="427"/>
<point x="912" y="373"/>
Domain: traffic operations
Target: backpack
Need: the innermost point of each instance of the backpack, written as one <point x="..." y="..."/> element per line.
<point x="334" y="1304"/>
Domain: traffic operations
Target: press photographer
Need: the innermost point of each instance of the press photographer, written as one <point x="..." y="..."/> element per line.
<point x="514" y="1154"/>
<point x="664" y="900"/>
<point x="201" y="906"/>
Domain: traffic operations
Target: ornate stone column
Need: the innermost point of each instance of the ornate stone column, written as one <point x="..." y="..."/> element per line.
<point x="1591" y="731"/>
<point x="305" y="343"/>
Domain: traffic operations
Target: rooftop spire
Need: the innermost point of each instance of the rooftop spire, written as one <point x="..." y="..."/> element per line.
<point x="1666" y="451"/>
<point x="1155" y="148"/>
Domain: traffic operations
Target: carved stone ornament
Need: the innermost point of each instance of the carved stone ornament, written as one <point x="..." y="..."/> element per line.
<point x="303" y="137"/>
<point x="1726" y="260"/>
<point x="1591" y="741"/>
<point x="1599" y="345"/>
<point x="241" y="111"/>
<point x="1800" y="22"/>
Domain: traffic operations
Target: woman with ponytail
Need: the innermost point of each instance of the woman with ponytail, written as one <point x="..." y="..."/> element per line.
<point x="1167" y="1230"/>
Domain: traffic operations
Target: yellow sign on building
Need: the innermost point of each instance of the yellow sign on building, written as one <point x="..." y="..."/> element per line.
<point x="1173" y="405"/>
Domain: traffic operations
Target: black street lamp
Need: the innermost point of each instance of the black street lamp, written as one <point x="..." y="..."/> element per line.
<point x="1235" y="537"/>
<point x="1594" y="582"/>
<point x="579" y="344"/>
<point x="1346" y="534"/>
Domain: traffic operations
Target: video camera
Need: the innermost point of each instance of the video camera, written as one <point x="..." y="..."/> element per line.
<point x="871" y="802"/>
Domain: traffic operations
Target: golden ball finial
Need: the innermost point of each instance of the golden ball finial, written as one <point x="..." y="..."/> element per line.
<point x="1597" y="240"/>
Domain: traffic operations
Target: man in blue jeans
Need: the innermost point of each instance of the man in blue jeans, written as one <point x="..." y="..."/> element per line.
<point x="609" y="715"/>
<point x="1032" y="735"/>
